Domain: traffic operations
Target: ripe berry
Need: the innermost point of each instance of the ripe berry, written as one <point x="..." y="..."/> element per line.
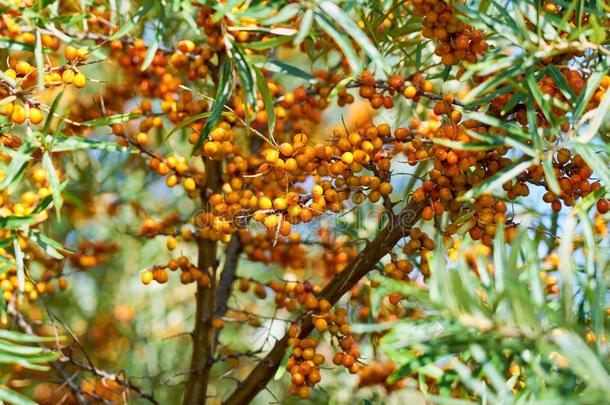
<point x="410" y="92"/>
<point x="603" y="206"/>
<point x="321" y="324"/>
<point x="23" y="67"/>
<point x="218" y="323"/>
<point x="189" y="184"/>
<point x="18" y="115"/>
<point x="171" y="243"/>
<point x="146" y="277"/>
<point x="79" y="81"/>
<point x="35" y="115"/>
<point x="68" y="76"/>
<point x="71" y="53"/>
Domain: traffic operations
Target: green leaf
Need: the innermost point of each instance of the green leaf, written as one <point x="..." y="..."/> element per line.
<point x="355" y="32"/>
<point x="590" y="89"/>
<point x="539" y="97"/>
<point x="514" y="130"/>
<point x="133" y="21"/>
<point x="561" y="82"/>
<point x="71" y="143"/>
<point x="285" y="13"/>
<point x="14" y="398"/>
<point x="246" y="76"/>
<point x="49" y="245"/>
<point x="152" y="51"/>
<point x="52" y="109"/>
<point x="15" y="45"/>
<point x="47" y="164"/>
<point x="549" y="174"/>
<point x="305" y="27"/>
<point x="112" y="119"/>
<point x="496" y="180"/>
<point x="589" y="201"/>
<point x="566" y="269"/>
<point x="8" y="358"/>
<point x="342" y="42"/>
<point x="599" y="114"/>
<point x="282" y="368"/>
<point x="263" y="87"/>
<point x="15" y="169"/>
<point x="582" y="360"/>
<point x="505" y="28"/>
<point x="39" y="60"/>
<point x="26" y="338"/>
<point x="19" y="257"/>
<point x="14" y="222"/>
<point x="340" y="86"/>
<point x="185" y="123"/>
<point x="222" y="94"/>
<point x="285" y="68"/>
<point x="20" y="349"/>
<point x="267" y="43"/>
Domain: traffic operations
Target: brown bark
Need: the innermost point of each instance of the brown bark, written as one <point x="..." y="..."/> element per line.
<point x="397" y="227"/>
<point x="203" y="334"/>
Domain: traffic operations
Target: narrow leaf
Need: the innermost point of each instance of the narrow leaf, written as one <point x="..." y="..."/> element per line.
<point x="47" y="164"/>
<point x="496" y="180"/>
<point x="133" y="21"/>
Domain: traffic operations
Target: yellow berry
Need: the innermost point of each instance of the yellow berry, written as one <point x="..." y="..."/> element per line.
<point x="35" y="116"/>
<point x="142" y="138"/>
<point x="171" y="243"/>
<point x="67" y="76"/>
<point x="79" y="81"/>
<point x="146" y="277"/>
<point x="189" y="184"/>
<point x="23" y="67"/>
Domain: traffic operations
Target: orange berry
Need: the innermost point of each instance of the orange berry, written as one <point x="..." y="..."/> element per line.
<point x="71" y="53"/>
<point x="298" y="379"/>
<point x="286" y="149"/>
<point x="62" y="283"/>
<point x="385" y="188"/>
<point x="321" y="324"/>
<point x="218" y="323"/>
<point x="210" y="148"/>
<point x="427" y="213"/>
<point x="303" y="392"/>
<point x="603" y="206"/>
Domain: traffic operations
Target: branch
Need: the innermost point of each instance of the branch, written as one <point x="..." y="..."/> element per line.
<point x="376" y="249"/>
<point x="202" y="358"/>
<point x="228" y="275"/>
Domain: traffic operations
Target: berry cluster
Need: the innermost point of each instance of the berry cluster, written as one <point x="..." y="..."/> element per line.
<point x="455" y="40"/>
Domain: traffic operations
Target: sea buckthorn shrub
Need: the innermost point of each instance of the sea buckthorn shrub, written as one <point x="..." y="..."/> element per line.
<point x="293" y="201"/>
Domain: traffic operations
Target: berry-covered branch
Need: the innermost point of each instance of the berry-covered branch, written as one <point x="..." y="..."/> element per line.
<point x="367" y="259"/>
